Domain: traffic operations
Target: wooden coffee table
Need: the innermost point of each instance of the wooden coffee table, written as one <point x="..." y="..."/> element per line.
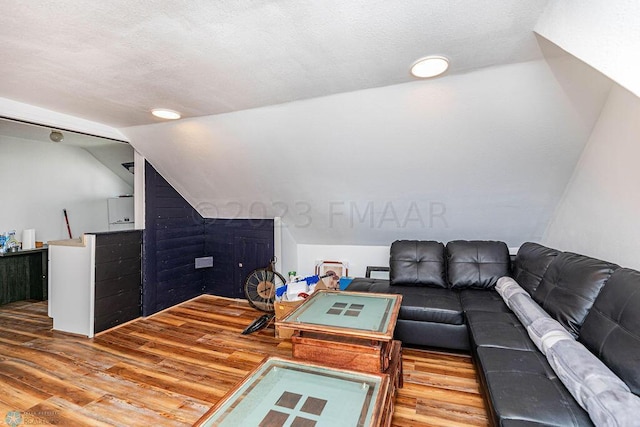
<point x="282" y="392"/>
<point x="349" y="330"/>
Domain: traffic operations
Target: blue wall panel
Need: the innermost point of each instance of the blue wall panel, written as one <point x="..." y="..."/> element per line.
<point x="176" y="234"/>
<point x="174" y="237"/>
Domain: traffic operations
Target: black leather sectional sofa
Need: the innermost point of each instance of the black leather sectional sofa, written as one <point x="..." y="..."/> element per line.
<point x="450" y="301"/>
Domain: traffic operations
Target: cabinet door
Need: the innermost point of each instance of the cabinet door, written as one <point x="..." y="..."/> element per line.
<point x="118" y="278"/>
<point x="14" y="278"/>
<point x="250" y="253"/>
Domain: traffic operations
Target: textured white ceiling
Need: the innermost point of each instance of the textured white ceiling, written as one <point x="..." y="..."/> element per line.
<point x="113" y="61"/>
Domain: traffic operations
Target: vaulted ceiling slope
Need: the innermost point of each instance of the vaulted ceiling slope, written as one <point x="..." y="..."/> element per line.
<point x="306" y="110"/>
<point x="113" y="61"/>
<point x="480" y="155"/>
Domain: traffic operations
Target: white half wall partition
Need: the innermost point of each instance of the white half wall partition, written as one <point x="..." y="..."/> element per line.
<point x="72" y="285"/>
<point x="138" y="190"/>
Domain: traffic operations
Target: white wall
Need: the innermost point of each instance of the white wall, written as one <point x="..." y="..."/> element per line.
<point x="356" y="257"/>
<point x="599" y="214"/>
<point x="289" y="252"/>
<point x="483" y="155"/>
<point x="603" y="33"/>
<point x="41" y="179"/>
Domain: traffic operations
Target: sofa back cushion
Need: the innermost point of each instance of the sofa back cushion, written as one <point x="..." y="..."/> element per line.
<point x="417" y="263"/>
<point x="570" y="286"/>
<point x="531" y="263"/>
<point x="612" y="328"/>
<point x="476" y="264"/>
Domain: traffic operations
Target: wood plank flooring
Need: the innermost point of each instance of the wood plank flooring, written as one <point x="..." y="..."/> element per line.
<point x="168" y="369"/>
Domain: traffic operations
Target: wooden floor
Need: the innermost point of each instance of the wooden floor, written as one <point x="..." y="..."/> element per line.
<point x="169" y="369"/>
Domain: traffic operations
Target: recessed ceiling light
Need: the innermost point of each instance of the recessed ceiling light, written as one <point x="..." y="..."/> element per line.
<point x="429" y="66"/>
<point x="163" y="113"/>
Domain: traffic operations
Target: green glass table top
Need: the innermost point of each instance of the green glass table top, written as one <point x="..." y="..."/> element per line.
<point x="371" y="313"/>
<point x="286" y="393"/>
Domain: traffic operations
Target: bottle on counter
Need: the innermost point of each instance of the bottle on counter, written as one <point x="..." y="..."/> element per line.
<point x="12" y="243"/>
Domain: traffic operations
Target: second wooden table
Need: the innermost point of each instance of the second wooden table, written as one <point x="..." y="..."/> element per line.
<point x="348" y="330"/>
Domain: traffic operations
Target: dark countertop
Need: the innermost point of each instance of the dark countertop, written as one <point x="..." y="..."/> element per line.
<point x="100" y="233"/>
<point x="25" y="252"/>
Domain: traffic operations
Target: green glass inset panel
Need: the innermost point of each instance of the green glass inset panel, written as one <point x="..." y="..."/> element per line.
<point x="282" y="391"/>
<point x="346" y="310"/>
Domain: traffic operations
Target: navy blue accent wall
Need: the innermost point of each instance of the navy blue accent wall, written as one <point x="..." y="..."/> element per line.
<point x="173" y="238"/>
<point x="238" y="247"/>
<point x="175" y="234"/>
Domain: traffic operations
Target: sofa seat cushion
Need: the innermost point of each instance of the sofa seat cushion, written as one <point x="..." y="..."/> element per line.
<point x="532" y="261"/>
<point x="482" y="300"/>
<point x="502" y="330"/>
<point x="612" y="328"/>
<point x="429" y="305"/>
<point x="417" y="263"/>
<point x="476" y="264"/>
<point x="361" y="284"/>
<point x="570" y="286"/>
<point x="424" y="304"/>
<point x="523" y="389"/>
<point x="432" y="334"/>
<point x="494" y="359"/>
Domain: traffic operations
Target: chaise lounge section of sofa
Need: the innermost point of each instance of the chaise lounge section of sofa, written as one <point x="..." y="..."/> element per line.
<point x="592" y="306"/>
